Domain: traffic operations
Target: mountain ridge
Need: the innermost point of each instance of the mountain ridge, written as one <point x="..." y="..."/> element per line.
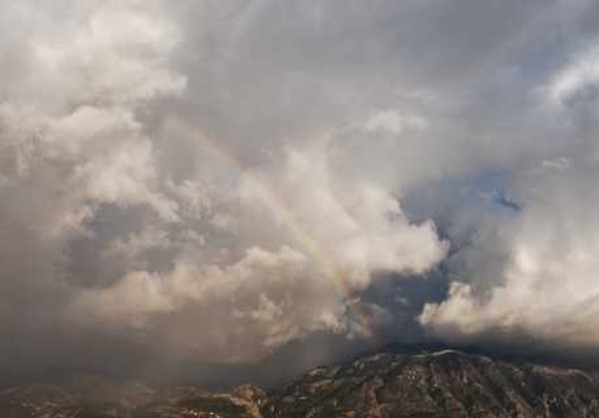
<point x="446" y="383"/>
<point x="443" y="383"/>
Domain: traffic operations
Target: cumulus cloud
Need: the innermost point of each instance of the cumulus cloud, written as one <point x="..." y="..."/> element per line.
<point x="547" y="288"/>
<point x="333" y="240"/>
<point x="234" y="313"/>
<point x="360" y="228"/>
<point x="579" y="77"/>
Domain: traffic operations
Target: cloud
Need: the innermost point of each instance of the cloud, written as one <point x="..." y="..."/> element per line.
<point x="267" y="298"/>
<point x="360" y="228"/>
<point x="262" y="301"/>
<point x="129" y="242"/>
<point x="579" y="77"/>
<point x="547" y="288"/>
<point x="184" y="178"/>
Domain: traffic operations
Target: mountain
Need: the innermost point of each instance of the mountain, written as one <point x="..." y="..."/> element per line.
<point x="445" y="383"/>
<point x="441" y="384"/>
<point x="97" y="398"/>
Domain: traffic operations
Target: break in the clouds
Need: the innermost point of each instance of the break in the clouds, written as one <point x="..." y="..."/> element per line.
<point x="211" y="181"/>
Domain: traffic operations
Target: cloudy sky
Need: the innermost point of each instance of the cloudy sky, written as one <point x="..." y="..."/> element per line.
<point x="215" y="181"/>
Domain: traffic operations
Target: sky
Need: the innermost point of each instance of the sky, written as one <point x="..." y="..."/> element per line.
<point x="267" y="185"/>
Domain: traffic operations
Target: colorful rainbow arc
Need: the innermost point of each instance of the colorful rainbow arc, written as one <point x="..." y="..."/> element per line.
<point x="289" y="217"/>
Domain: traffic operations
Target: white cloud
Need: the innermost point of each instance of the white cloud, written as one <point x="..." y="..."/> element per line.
<point x="394" y="122"/>
<point x="239" y="312"/>
<point x="359" y="228"/>
<point x="580" y="74"/>
<point x="548" y="288"/>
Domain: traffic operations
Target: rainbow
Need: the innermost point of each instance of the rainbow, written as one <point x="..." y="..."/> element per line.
<point x="291" y="220"/>
<point x="289" y="217"/>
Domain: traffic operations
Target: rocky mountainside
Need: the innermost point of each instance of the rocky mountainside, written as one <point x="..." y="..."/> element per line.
<point x="441" y="384"/>
<point x="438" y="384"/>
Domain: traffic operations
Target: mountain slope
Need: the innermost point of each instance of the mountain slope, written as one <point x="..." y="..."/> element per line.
<point x="442" y="384"/>
<point x="101" y="399"/>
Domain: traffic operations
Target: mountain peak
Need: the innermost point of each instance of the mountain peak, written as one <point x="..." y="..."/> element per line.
<point x="445" y="383"/>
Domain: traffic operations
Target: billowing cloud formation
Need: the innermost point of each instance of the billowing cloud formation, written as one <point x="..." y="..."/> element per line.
<point x="266" y="298"/>
<point x="213" y="180"/>
<point x="547" y="287"/>
<point x="131" y="243"/>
